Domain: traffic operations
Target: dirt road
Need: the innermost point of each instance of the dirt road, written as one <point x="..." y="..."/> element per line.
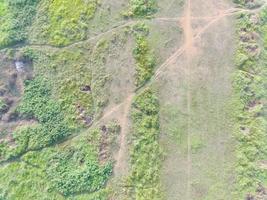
<point x="196" y="87"/>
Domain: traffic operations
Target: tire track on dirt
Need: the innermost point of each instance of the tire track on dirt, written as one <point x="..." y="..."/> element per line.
<point x="189" y="52"/>
<point x="121" y="162"/>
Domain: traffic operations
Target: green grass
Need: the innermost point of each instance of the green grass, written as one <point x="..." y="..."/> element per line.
<point x="250" y="92"/>
<point x="145" y="153"/>
<point x="16" y="17"/>
<point x="68" y="20"/>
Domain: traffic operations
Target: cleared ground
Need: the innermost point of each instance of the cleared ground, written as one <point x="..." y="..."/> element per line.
<point x="194" y="90"/>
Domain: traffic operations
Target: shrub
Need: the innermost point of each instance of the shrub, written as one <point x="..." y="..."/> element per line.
<point x="75" y="169"/>
<point x="146" y="152"/>
<point x="141" y="8"/>
<point x="250" y="90"/>
<point x="16" y="17"/>
<point x="145" y="61"/>
<point x="37" y="103"/>
<point x="68" y="20"/>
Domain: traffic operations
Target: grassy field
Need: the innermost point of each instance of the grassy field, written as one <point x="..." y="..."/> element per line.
<point x="132" y="99"/>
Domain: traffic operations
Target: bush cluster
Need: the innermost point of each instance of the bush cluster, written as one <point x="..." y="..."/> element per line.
<point x="145" y="60"/>
<point x="60" y="172"/>
<point x="70" y="176"/>
<point x="16" y="17"/>
<point x="250" y="92"/>
<point x="146" y="152"/>
<point x="38" y="104"/>
<point x="76" y="169"/>
<point x="68" y="20"/>
<point x="141" y="8"/>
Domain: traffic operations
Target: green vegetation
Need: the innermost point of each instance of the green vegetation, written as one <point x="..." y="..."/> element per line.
<point x="2" y="105"/>
<point x="72" y="171"/>
<point x="16" y="17"/>
<point x="76" y="169"/>
<point x="144" y="57"/>
<point x="37" y="104"/>
<point x="3" y="8"/>
<point x="141" y="8"/>
<point x="249" y="3"/>
<point x="63" y="22"/>
<point x="71" y="75"/>
<point x="146" y="153"/>
<point x="68" y="20"/>
<point x="77" y="79"/>
<point x="250" y="93"/>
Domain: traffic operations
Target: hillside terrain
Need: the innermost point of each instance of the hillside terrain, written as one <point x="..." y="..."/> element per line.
<point x="133" y="99"/>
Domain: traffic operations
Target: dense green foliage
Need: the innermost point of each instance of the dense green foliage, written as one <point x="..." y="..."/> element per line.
<point x="141" y="8"/>
<point x="16" y="17"/>
<point x="68" y="172"/>
<point x="68" y="20"/>
<point x="250" y="92"/>
<point x="38" y="104"/>
<point x="145" y="153"/>
<point x="63" y="22"/>
<point x="145" y="59"/>
<point x="76" y="169"/>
